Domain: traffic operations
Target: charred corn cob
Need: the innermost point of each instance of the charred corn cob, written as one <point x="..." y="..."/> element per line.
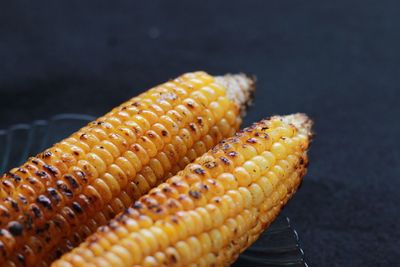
<point x="213" y="209"/>
<point x="54" y="200"/>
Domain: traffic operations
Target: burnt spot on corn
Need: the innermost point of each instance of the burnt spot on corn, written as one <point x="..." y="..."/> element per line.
<point x="192" y="127"/>
<point x="37" y="212"/>
<point x="233" y="154"/>
<point x="190" y="104"/>
<point x="15" y="228"/>
<point x="69" y="244"/>
<point x="138" y="205"/>
<point x="7" y="184"/>
<point x="46" y="154"/>
<point x="14" y="204"/>
<point x="166" y="189"/>
<point x="70" y="213"/>
<point x="23" y="199"/>
<point x="2" y="249"/>
<point x="81" y="175"/>
<point x="71" y="180"/>
<point x="225" y="146"/>
<point x="200" y="121"/>
<point x="41" y="174"/>
<point x="113" y="224"/>
<point x="173" y="259"/>
<point x="64" y="189"/>
<point x="251" y="141"/>
<point x="44" y="201"/>
<point x="164" y="133"/>
<point x="204" y="187"/>
<point x="136" y="147"/>
<point x="58" y="253"/>
<point x="83" y="137"/>
<point x="172" y="203"/>
<point x="21" y="259"/>
<point x="195" y="194"/>
<point x="31" y="180"/>
<point x="77" y="207"/>
<point x="21" y="170"/>
<point x="76" y="238"/>
<point x="15" y="177"/>
<point x="4" y="214"/>
<point x="51" y="169"/>
<point x="43" y="229"/>
<point x="174" y="219"/>
<point x="225" y="160"/>
<point x="135" y="104"/>
<point x="211" y="181"/>
<point x="103" y="229"/>
<point x="200" y="171"/>
<point x="210" y="164"/>
<point x="54" y="194"/>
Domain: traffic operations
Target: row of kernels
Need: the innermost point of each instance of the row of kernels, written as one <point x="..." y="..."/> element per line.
<point x="145" y="179"/>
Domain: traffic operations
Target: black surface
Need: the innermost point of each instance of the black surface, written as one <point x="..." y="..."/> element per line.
<point x="338" y="62"/>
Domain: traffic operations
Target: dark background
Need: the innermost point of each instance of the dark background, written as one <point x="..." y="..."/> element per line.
<point x="339" y="62"/>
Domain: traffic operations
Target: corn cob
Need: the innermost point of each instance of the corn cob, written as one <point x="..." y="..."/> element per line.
<point x="54" y="200"/>
<point x="213" y="209"/>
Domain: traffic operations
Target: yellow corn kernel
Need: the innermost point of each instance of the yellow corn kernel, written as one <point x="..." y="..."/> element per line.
<point x="86" y="179"/>
<point x="234" y="204"/>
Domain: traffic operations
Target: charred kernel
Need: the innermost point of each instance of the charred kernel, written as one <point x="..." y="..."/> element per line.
<point x="23" y="199"/>
<point x="71" y="180"/>
<point x="211" y="164"/>
<point x="15" y="228"/>
<point x="251" y="140"/>
<point x="22" y="170"/>
<point x="225" y="160"/>
<point x="51" y="169"/>
<point x="138" y="205"/>
<point x="41" y="174"/>
<point x="14" y="204"/>
<point x="77" y="207"/>
<point x="200" y="171"/>
<point x="192" y="127"/>
<point x="44" y="201"/>
<point x="15" y="177"/>
<point x="46" y="154"/>
<point x="195" y="194"/>
<point x="7" y="183"/>
<point x="226" y="146"/>
<point x="233" y="154"/>
<point x="40" y="230"/>
<point x="21" y="259"/>
<point x="37" y="212"/>
<point x="53" y="193"/>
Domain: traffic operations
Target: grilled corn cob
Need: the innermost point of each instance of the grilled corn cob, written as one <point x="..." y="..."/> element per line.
<point x="54" y="200"/>
<point x="213" y="209"/>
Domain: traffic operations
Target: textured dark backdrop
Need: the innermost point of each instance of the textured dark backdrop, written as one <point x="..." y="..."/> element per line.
<point x="338" y="62"/>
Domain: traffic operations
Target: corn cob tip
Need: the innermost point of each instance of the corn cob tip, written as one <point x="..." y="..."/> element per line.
<point x="301" y="121"/>
<point x="240" y="89"/>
